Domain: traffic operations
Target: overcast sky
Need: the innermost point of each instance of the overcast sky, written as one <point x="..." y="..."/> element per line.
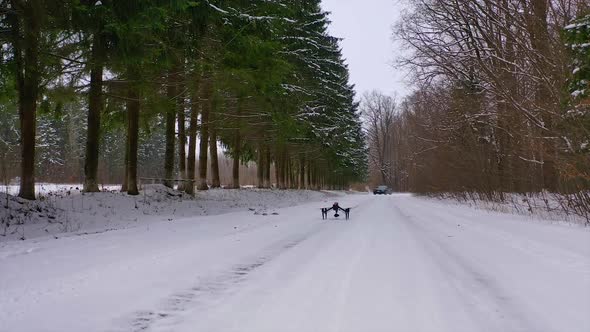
<point x="368" y="48"/>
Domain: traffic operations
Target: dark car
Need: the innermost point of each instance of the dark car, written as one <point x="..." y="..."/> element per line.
<point x="382" y="190"/>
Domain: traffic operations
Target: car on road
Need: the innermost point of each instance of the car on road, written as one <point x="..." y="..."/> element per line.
<point x="382" y="190"/>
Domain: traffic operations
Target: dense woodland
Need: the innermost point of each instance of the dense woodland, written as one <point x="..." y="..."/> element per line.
<point x="500" y="105"/>
<point x="107" y="91"/>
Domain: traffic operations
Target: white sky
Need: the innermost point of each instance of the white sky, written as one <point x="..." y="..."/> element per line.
<point x="366" y="26"/>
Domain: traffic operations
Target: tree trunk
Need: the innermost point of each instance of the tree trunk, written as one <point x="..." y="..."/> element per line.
<point x="540" y="42"/>
<point x="236" y="161"/>
<point x="260" y="167"/>
<point x="288" y="173"/>
<point x="267" y="183"/>
<point x="318" y="179"/>
<point x="291" y="169"/>
<point x="279" y="168"/>
<point x="28" y="77"/>
<point x="204" y="142"/>
<point x="285" y="170"/>
<point x="310" y="176"/>
<point x="181" y="140"/>
<point x="95" y="107"/>
<point x="170" y="129"/>
<point x="237" y="149"/>
<point x="313" y="176"/>
<point x="192" y="144"/>
<point x="302" y="173"/>
<point x="125" y="183"/>
<point x="215" y="182"/>
<point x="133" y="106"/>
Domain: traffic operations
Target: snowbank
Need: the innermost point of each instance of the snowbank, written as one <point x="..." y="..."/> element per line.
<point x="539" y="206"/>
<point x="64" y="210"/>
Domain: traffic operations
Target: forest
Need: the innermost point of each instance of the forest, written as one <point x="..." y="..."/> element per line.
<point x="500" y="102"/>
<point x="207" y="165"/>
<point x="110" y="92"/>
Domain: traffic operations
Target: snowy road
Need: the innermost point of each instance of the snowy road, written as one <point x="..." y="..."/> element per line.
<point x="400" y="264"/>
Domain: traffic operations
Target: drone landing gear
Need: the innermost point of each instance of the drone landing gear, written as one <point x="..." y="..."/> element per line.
<point x="336" y="215"/>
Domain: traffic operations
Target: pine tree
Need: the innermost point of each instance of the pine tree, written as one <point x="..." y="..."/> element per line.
<point x="265" y="79"/>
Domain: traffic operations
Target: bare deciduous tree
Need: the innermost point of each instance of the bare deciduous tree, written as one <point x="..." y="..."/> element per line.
<point x="379" y="111"/>
<point x="491" y="111"/>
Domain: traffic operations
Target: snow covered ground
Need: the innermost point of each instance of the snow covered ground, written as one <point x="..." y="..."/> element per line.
<point x="63" y="210"/>
<point x="400" y="264"/>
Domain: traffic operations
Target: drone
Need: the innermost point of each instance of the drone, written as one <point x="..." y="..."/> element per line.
<point x="336" y="208"/>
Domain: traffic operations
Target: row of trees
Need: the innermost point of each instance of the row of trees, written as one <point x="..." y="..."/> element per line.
<point x="262" y="79"/>
<point x="500" y="103"/>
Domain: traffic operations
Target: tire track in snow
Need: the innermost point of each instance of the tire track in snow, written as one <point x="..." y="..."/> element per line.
<point x="214" y="287"/>
<point x="289" y="289"/>
<point x="482" y="297"/>
<point x="343" y="297"/>
<point x="559" y="257"/>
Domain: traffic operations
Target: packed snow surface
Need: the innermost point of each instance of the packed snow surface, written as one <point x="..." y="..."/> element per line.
<point x="401" y="263"/>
